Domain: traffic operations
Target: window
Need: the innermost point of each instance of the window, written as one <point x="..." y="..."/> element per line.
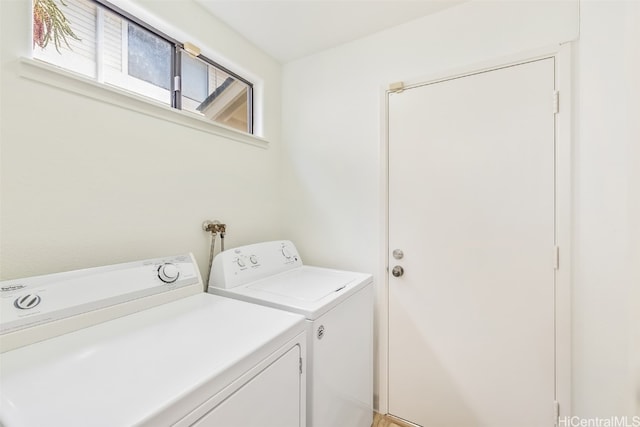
<point x="100" y="41"/>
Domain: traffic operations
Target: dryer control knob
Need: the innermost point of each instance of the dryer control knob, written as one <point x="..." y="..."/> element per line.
<point x="253" y="259"/>
<point x="26" y="302"/>
<point x="286" y="253"/>
<point x="168" y="272"/>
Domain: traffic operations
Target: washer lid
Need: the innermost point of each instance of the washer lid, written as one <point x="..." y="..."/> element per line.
<point x="310" y="291"/>
<point x="157" y="364"/>
<point x="307" y="284"/>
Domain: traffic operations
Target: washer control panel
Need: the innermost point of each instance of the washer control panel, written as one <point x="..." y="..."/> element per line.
<point x="235" y="267"/>
<point x="38" y="300"/>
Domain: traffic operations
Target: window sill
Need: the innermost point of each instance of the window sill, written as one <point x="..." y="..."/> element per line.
<point x="51" y="75"/>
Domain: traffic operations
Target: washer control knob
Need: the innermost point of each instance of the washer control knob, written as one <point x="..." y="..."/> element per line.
<point x="253" y="259"/>
<point x="26" y="302"/>
<point x="286" y="253"/>
<point x="240" y="262"/>
<point x="168" y="272"/>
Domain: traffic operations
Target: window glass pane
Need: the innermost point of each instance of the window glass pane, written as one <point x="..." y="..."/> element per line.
<point x="225" y="99"/>
<point x="149" y="57"/>
<point x="194" y="78"/>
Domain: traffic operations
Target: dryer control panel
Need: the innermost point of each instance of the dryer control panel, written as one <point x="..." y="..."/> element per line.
<point x="40" y="307"/>
<point x="244" y="264"/>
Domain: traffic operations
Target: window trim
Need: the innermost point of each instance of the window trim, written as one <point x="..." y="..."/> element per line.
<point x="68" y="81"/>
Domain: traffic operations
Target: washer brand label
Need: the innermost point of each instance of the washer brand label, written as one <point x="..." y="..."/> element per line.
<point x="9" y="288"/>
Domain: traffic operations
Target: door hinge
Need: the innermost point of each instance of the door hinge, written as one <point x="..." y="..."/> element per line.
<point x="176" y="83"/>
<point x="556" y="258"/>
<point x="556" y="102"/>
<point x="300" y="365"/>
<point x="556" y="412"/>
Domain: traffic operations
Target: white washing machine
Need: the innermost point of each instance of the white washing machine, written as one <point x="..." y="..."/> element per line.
<point x="141" y="344"/>
<point x="338" y="307"/>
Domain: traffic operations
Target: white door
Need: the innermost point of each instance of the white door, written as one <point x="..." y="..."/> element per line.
<point x="471" y="206"/>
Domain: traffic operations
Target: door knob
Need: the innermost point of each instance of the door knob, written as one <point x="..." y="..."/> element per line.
<point x="397" y="271"/>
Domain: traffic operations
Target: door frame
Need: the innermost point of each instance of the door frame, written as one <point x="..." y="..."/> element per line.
<point x="563" y="224"/>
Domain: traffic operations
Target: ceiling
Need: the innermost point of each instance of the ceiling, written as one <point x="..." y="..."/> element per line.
<point x="291" y="29"/>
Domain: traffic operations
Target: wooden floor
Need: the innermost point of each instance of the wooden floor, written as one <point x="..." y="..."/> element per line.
<point x="380" y="420"/>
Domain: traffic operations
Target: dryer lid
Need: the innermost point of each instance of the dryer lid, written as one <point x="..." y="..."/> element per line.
<point x="305" y="284"/>
<point x="157" y="364"/>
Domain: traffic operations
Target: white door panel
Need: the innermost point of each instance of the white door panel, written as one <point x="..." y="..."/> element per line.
<point x="471" y="205"/>
<point x="270" y="399"/>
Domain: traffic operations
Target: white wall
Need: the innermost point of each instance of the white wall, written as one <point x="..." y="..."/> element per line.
<point x="87" y="183"/>
<point x="332" y="139"/>
<point x="607" y="215"/>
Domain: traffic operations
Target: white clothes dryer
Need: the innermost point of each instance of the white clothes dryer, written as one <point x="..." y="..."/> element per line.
<point x="141" y="344"/>
<point x="338" y="307"/>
